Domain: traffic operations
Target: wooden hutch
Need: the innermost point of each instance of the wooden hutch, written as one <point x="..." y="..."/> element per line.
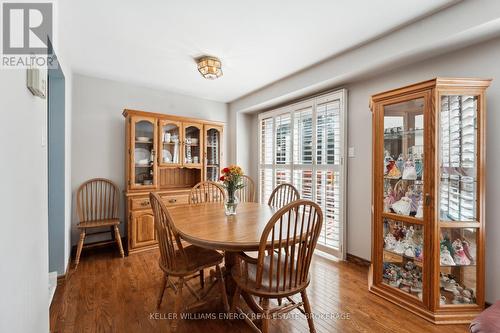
<point x="166" y="154"/>
<point x="428" y="198"/>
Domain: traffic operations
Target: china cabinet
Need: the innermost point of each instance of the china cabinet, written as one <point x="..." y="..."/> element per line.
<point x="169" y="155"/>
<point x="428" y="198"/>
<point x="213" y="137"/>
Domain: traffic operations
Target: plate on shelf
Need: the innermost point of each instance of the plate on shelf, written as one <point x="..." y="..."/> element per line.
<point x="143" y="139"/>
<point x="167" y="156"/>
<point x="141" y="154"/>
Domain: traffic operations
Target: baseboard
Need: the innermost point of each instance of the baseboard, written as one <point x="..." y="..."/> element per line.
<point x="357" y="260"/>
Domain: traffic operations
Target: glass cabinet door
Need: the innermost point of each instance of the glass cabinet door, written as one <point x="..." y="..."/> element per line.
<point x="143" y="143"/>
<point x="170" y="143"/>
<point x="193" y="141"/>
<point x="213" y="140"/>
<point x="458" y="212"/>
<point x="403" y="206"/>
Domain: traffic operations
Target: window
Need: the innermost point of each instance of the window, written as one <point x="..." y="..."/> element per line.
<point x="304" y="144"/>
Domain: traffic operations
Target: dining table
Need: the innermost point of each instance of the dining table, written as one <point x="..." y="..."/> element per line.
<point x="206" y="225"/>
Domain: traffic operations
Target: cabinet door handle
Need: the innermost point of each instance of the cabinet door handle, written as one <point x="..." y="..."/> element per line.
<point x="427" y="199"/>
<point x="145" y="203"/>
<point x="172" y="200"/>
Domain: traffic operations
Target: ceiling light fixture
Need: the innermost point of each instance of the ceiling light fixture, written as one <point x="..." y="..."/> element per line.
<point x="209" y="67"/>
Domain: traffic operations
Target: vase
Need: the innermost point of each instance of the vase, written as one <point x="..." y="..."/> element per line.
<point x="230" y="205"/>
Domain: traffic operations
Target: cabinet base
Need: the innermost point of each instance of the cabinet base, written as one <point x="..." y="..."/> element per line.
<point x="439" y="318"/>
<point x="142" y="249"/>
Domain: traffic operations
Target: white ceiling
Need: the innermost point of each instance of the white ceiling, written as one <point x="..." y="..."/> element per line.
<point x="153" y="43"/>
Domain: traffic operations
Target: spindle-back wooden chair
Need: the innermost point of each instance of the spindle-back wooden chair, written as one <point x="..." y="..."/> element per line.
<point x="97" y="202"/>
<point x="207" y="191"/>
<point x="247" y="193"/>
<point x="181" y="262"/>
<point x="282" y="195"/>
<point x="293" y="231"/>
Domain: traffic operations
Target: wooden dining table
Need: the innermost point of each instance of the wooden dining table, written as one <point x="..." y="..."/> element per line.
<point x="207" y="226"/>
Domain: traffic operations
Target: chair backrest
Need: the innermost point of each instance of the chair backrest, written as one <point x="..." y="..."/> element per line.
<point x="287" y="245"/>
<point x="172" y="255"/>
<point x="247" y="193"/>
<point x="97" y="199"/>
<point x="282" y="195"/>
<point x="207" y="192"/>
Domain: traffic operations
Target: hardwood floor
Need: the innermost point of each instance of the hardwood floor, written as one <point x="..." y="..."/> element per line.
<point x="110" y="294"/>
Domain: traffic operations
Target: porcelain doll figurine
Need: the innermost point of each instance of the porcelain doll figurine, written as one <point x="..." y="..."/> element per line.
<point x="420" y="209"/>
<point x="402" y="206"/>
<point x="387" y="159"/>
<point x="466" y="247"/>
<point x="392" y="170"/>
<point x="459" y="257"/>
<point x="389" y="200"/>
<point x="409" y="172"/>
<point x="418" y="167"/>
<point x="445" y="257"/>
<point x="390" y="241"/>
<point x="400" y="163"/>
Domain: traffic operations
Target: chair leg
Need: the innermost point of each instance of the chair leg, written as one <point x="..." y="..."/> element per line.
<point x="222" y="287"/>
<point x="80" y="247"/>
<point x="265" y="315"/>
<point x="202" y="278"/>
<point x="236" y="299"/>
<point x="307" y="308"/>
<point x="119" y="241"/>
<point x="178" y="302"/>
<point x="162" y="291"/>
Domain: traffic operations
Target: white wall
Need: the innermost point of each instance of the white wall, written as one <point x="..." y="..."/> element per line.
<point x="23" y="197"/>
<point x="98" y="127"/>
<point x="481" y="60"/>
<point x="246" y="143"/>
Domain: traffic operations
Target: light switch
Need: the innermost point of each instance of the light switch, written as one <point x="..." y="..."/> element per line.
<point x="351" y="152"/>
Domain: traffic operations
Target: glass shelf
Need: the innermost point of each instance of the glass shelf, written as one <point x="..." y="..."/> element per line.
<point x="403" y="256"/>
<point x="403" y="158"/>
<point x="170" y="137"/>
<point x="458" y="258"/>
<point x="144" y="152"/>
<point x="212" y="150"/>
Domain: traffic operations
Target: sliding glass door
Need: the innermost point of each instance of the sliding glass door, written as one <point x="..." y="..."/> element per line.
<point x="304" y="144"/>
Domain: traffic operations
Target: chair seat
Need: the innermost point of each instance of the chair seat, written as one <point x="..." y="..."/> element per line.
<point x="248" y="282"/>
<point x="98" y="223"/>
<point x="198" y="258"/>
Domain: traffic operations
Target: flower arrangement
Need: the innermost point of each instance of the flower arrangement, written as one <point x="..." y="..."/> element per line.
<point x="232" y="181"/>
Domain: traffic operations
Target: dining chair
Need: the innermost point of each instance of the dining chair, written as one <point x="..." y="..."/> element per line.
<point x="207" y="191"/>
<point x="247" y="193"/>
<point x="293" y="231"/>
<point x="97" y="203"/>
<point x="183" y="263"/>
<point x="282" y="195"/>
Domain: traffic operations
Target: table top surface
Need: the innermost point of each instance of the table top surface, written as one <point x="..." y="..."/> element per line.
<point x="206" y="225"/>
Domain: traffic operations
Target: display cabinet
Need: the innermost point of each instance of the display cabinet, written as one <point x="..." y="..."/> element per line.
<point x="142" y="149"/>
<point x="213" y="139"/>
<point x="169" y="155"/>
<point x="428" y="198"/>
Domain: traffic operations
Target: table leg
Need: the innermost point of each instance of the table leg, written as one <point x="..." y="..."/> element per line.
<point x="229" y="262"/>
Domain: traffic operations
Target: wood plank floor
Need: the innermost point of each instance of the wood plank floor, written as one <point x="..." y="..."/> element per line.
<point x="110" y="294"/>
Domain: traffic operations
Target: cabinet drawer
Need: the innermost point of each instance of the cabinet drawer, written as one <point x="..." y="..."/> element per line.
<point x="140" y="203"/>
<point x="172" y="200"/>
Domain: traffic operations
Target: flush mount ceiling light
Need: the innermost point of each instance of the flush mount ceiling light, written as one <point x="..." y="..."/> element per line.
<point x="209" y="67"/>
